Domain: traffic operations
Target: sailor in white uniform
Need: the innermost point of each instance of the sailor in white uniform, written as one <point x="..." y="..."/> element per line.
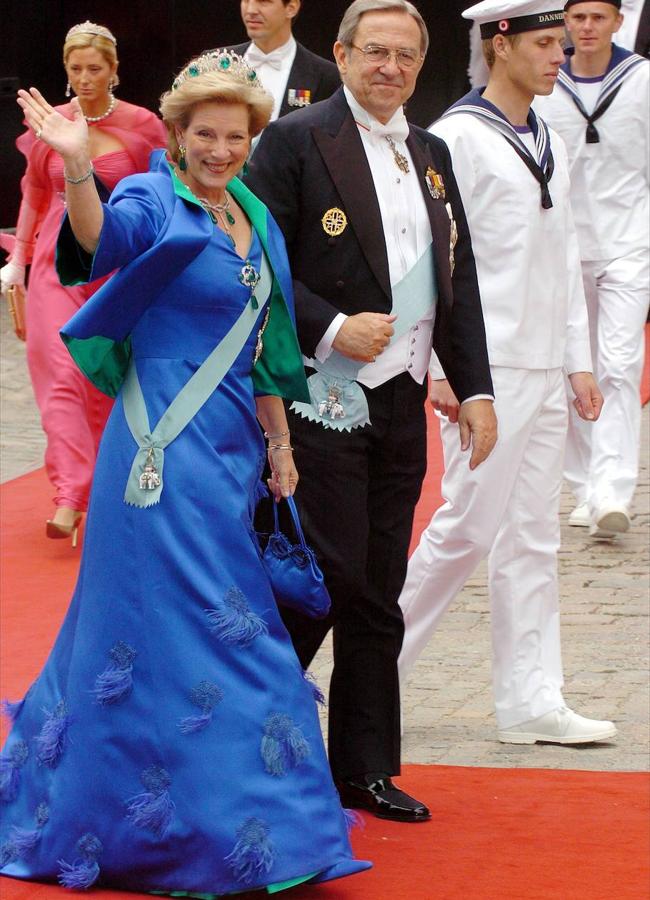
<point x="513" y="178"/>
<point x="600" y="107"/>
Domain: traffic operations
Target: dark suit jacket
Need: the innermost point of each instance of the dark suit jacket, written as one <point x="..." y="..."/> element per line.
<point x="314" y="160"/>
<point x="308" y="72"/>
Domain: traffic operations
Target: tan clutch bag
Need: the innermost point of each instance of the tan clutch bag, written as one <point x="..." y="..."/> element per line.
<point x="16" y="304"/>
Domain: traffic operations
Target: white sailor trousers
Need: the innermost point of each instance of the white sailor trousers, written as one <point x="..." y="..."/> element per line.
<point x="506" y="509"/>
<point x="602" y="459"/>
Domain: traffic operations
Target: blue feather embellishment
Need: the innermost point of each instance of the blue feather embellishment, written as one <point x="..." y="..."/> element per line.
<point x="116" y="681"/>
<point x="11" y="708"/>
<point x="353" y="819"/>
<point x="283" y="746"/>
<point x="153" y="808"/>
<point x="52" y="738"/>
<point x="236" y="623"/>
<point x="319" y="696"/>
<point x="10" y="766"/>
<point x="24" y="839"/>
<point x="252" y="856"/>
<point x="8" y="854"/>
<point x="206" y="695"/>
<point x="84" y="871"/>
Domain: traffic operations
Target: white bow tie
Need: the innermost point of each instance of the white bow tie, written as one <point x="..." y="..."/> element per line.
<point x="398" y="130"/>
<point x="255" y="57"/>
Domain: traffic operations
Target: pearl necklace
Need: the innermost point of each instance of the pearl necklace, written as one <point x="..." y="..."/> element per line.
<point x="104" y="115"/>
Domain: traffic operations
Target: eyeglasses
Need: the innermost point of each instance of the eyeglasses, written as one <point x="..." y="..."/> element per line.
<point x="379" y="56"/>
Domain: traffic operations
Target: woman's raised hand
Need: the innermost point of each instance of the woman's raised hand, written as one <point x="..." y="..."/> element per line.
<point x="69" y="137"/>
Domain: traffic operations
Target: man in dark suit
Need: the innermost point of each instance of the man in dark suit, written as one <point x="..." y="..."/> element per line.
<point x="382" y="266"/>
<point x="291" y="73"/>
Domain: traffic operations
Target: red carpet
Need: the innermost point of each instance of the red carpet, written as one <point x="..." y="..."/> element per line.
<point x="645" y="378"/>
<point x="497" y="834"/>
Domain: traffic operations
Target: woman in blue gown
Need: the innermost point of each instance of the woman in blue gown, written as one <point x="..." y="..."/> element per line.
<point x="171" y="742"/>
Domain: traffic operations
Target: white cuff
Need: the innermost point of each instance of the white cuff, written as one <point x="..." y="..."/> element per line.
<point x="324" y="346"/>
<point x="436" y="372"/>
<point x="478" y="397"/>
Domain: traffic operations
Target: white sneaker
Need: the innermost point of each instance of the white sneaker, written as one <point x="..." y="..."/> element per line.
<point x="580" y="516"/>
<point x="560" y="726"/>
<point x="610" y="521"/>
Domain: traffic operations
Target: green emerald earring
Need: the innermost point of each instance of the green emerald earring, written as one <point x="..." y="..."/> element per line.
<point x="182" y="162"/>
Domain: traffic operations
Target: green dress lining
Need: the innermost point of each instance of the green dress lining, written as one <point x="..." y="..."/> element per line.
<point x="270" y="889"/>
<point x="279" y="370"/>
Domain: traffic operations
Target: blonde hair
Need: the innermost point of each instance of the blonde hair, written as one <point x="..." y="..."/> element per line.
<point x="82" y="40"/>
<point x="177" y="105"/>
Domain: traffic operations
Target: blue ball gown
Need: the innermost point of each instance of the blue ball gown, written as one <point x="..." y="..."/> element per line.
<point x="172" y="742"/>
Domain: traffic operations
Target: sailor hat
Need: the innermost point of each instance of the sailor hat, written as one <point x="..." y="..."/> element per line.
<point x="514" y="16"/>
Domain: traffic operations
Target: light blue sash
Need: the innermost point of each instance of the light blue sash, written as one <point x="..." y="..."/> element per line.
<point x="337" y="399"/>
<point x="145" y="482"/>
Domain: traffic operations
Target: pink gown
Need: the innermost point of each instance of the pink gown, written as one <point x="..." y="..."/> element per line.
<point x="73" y="412"/>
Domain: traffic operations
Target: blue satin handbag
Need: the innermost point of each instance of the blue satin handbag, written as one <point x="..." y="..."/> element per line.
<point x="295" y="576"/>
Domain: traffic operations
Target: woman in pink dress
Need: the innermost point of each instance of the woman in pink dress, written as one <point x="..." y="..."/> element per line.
<point x="122" y="136"/>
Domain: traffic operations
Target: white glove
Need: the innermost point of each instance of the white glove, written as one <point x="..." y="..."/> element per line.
<point x="10" y="274"/>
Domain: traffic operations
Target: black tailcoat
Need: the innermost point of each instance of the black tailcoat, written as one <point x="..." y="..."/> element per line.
<point x="314" y="161"/>
<point x="358" y="489"/>
<point x="308" y="72"/>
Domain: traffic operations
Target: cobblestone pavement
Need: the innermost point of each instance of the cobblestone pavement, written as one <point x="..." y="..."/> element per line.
<point x="448" y="713"/>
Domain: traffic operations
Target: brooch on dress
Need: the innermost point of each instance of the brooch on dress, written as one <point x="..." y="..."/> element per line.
<point x="250" y="278"/>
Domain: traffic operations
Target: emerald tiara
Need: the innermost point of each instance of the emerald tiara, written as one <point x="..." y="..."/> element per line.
<point x="225" y="61"/>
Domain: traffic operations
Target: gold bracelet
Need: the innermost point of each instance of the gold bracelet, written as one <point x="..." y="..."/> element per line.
<point x="89" y="174"/>
<point x="280" y="434"/>
<point x="280" y="447"/>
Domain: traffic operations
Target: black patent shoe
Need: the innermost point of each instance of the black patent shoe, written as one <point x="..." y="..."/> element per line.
<point x="382" y="798"/>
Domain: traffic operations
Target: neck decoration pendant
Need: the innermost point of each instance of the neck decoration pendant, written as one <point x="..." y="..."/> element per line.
<point x="221" y="212"/>
<point x="401" y="161"/>
<point x="332" y="408"/>
<point x="150" y="479"/>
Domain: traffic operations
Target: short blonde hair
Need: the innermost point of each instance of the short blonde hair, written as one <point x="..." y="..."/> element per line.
<point x="177" y="105"/>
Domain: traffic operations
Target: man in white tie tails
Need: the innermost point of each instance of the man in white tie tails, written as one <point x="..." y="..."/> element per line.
<point x="292" y="74"/>
<point x="382" y="267"/>
<point x="513" y="179"/>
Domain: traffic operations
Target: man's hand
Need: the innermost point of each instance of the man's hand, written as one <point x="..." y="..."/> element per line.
<point x="364" y="336"/>
<point x="588" y="399"/>
<point x="443" y="399"/>
<point x="478" y="427"/>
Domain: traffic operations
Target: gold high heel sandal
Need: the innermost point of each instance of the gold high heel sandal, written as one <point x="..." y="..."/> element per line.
<point x="59" y="530"/>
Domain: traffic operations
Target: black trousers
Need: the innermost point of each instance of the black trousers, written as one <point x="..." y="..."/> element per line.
<point x="356" y="498"/>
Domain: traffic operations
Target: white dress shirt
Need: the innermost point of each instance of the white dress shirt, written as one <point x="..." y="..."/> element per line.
<point x="273" y="70"/>
<point x="407" y="233"/>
